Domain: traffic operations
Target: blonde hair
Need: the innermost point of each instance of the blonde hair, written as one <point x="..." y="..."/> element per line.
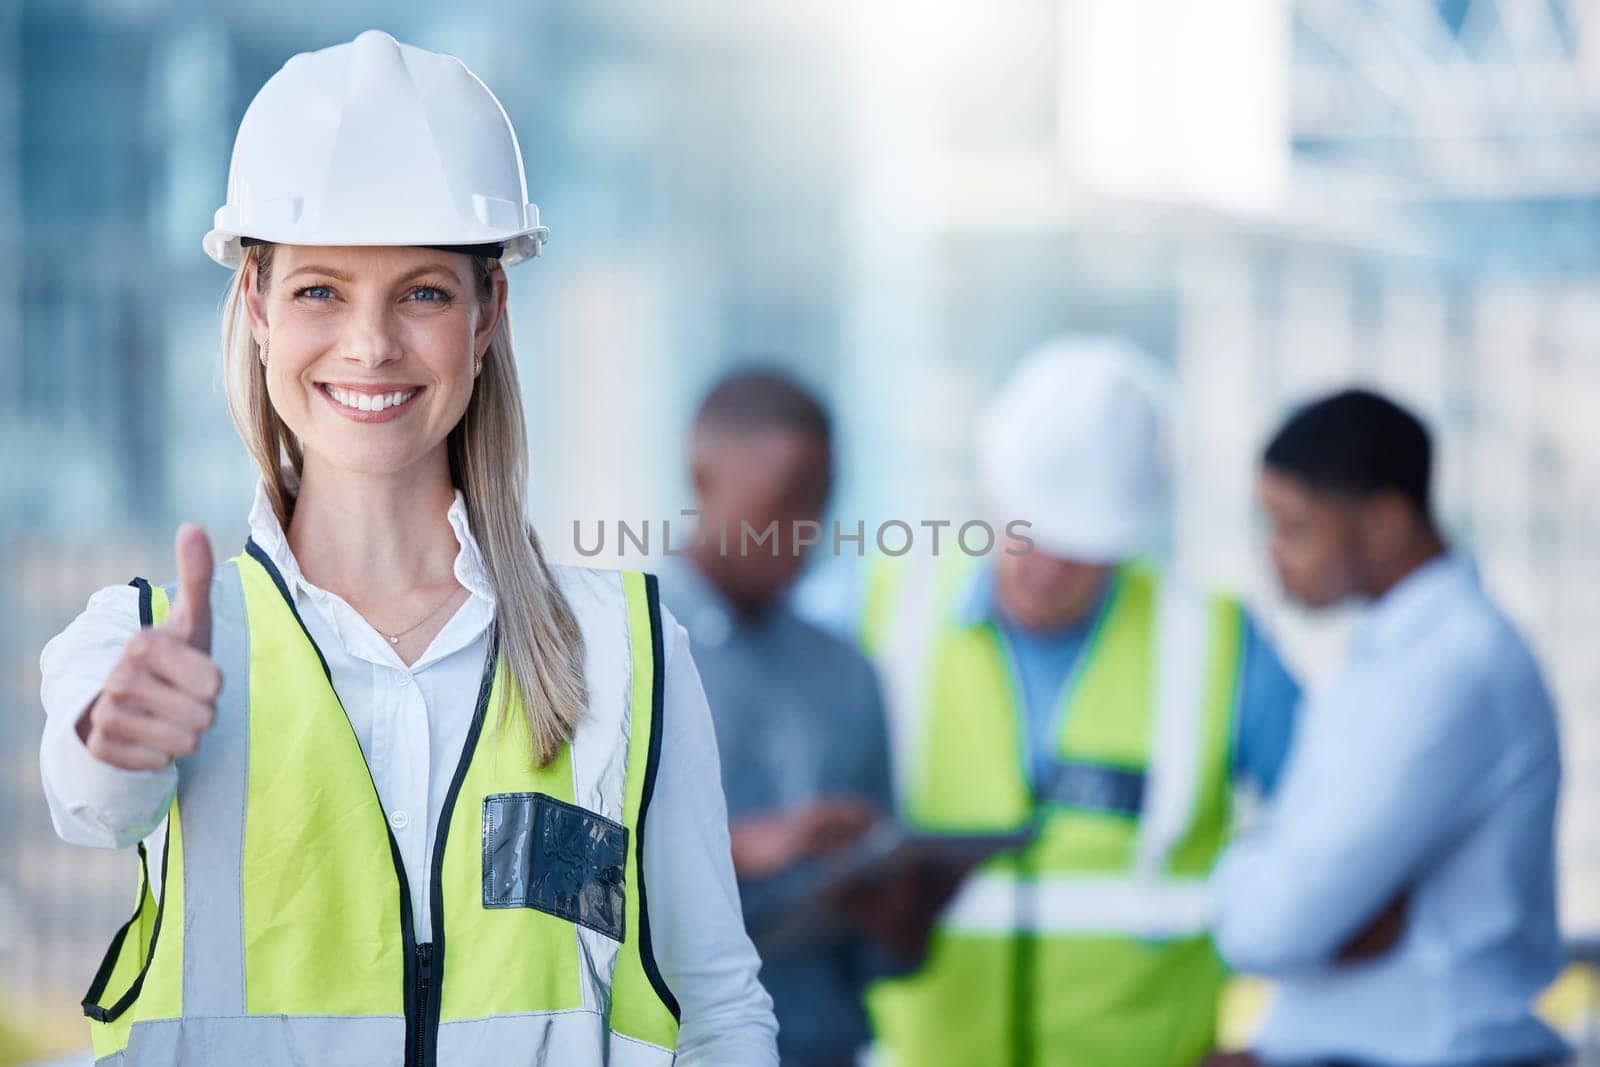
<point x="538" y="635"/>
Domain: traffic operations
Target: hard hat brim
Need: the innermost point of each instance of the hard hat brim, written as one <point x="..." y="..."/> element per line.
<point x="227" y="249"/>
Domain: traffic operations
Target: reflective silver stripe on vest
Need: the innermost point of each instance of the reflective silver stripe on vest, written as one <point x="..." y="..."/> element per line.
<point x="904" y="663"/>
<point x="1000" y="904"/>
<point x="556" y="1038"/>
<point x="599" y="749"/>
<point x="264" y="1040"/>
<point x="1172" y="774"/>
<point x="628" y="1051"/>
<point x="211" y="804"/>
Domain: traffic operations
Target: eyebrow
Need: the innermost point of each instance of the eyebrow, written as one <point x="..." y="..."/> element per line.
<point x="317" y="268"/>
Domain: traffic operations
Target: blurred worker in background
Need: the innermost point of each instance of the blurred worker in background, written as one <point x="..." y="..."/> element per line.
<point x="1403" y="887"/>
<point x="798" y="716"/>
<point x="1074" y="685"/>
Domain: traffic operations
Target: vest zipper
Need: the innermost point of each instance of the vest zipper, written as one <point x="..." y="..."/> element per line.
<point x="423" y="972"/>
<point x="428" y="957"/>
<point x="421" y="992"/>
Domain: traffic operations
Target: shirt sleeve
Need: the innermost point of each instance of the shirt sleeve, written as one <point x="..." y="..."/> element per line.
<point x="93" y="803"/>
<point x="696" y="926"/>
<point x="865" y="959"/>
<point x="1359" y="816"/>
<point x="1269" y="699"/>
<point x="878" y="773"/>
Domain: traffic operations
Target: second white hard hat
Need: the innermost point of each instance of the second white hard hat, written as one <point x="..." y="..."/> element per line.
<point x="376" y="143"/>
<point x="1077" y="443"/>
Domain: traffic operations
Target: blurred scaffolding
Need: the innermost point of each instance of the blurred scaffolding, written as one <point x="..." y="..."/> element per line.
<point x="897" y="198"/>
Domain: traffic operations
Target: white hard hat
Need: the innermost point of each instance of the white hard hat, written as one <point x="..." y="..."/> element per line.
<point x="1076" y="442"/>
<point x="376" y="143"/>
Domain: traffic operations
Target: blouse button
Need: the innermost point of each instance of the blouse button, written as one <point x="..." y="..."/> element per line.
<point x="399" y="820"/>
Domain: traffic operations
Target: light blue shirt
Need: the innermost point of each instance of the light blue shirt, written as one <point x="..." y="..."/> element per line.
<point x="1429" y="766"/>
<point x="1263" y="723"/>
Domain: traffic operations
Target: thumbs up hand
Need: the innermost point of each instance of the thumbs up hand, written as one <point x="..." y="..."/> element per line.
<point x="161" y="696"/>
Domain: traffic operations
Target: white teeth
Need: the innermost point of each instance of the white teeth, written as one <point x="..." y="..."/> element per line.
<point x="368" y="401"/>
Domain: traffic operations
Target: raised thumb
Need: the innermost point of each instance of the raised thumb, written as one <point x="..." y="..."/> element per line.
<point x="191" y="615"/>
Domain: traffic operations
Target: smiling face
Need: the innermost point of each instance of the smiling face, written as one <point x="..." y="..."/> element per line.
<point x="371" y="350"/>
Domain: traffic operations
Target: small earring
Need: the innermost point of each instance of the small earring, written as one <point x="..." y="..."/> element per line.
<point x="264" y="351"/>
<point x="477" y="366"/>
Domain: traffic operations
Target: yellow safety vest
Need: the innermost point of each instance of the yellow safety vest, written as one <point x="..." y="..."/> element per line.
<point x="1088" y="948"/>
<point x="282" y="933"/>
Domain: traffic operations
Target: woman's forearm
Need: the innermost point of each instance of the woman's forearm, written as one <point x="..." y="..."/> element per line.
<point x="91" y="802"/>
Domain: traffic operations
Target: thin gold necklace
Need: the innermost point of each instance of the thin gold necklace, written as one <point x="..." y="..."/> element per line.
<point x="394" y="639"/>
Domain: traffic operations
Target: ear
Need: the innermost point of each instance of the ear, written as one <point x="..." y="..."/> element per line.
<point x="700" y="473"/>
<point x="1387" y="523"/>
<point x="824" y="473"/>
<point x="490" y="313"/>
<point x="255" y="301"/>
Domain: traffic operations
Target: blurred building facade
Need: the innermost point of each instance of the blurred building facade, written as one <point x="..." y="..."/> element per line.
<point x="1419" y="213"/>
<point x="895" y="200"/>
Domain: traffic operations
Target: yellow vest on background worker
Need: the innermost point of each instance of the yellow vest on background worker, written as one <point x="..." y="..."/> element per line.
<point x="1089" y="947"/>
<point x="282" y="931"/>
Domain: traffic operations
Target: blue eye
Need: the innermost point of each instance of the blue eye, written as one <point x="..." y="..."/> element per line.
<point x="309" y="290"/>
<point x="439" y="296"/>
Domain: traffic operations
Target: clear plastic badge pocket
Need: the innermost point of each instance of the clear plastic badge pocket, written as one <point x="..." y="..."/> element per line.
<point x="543" y="853"/>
